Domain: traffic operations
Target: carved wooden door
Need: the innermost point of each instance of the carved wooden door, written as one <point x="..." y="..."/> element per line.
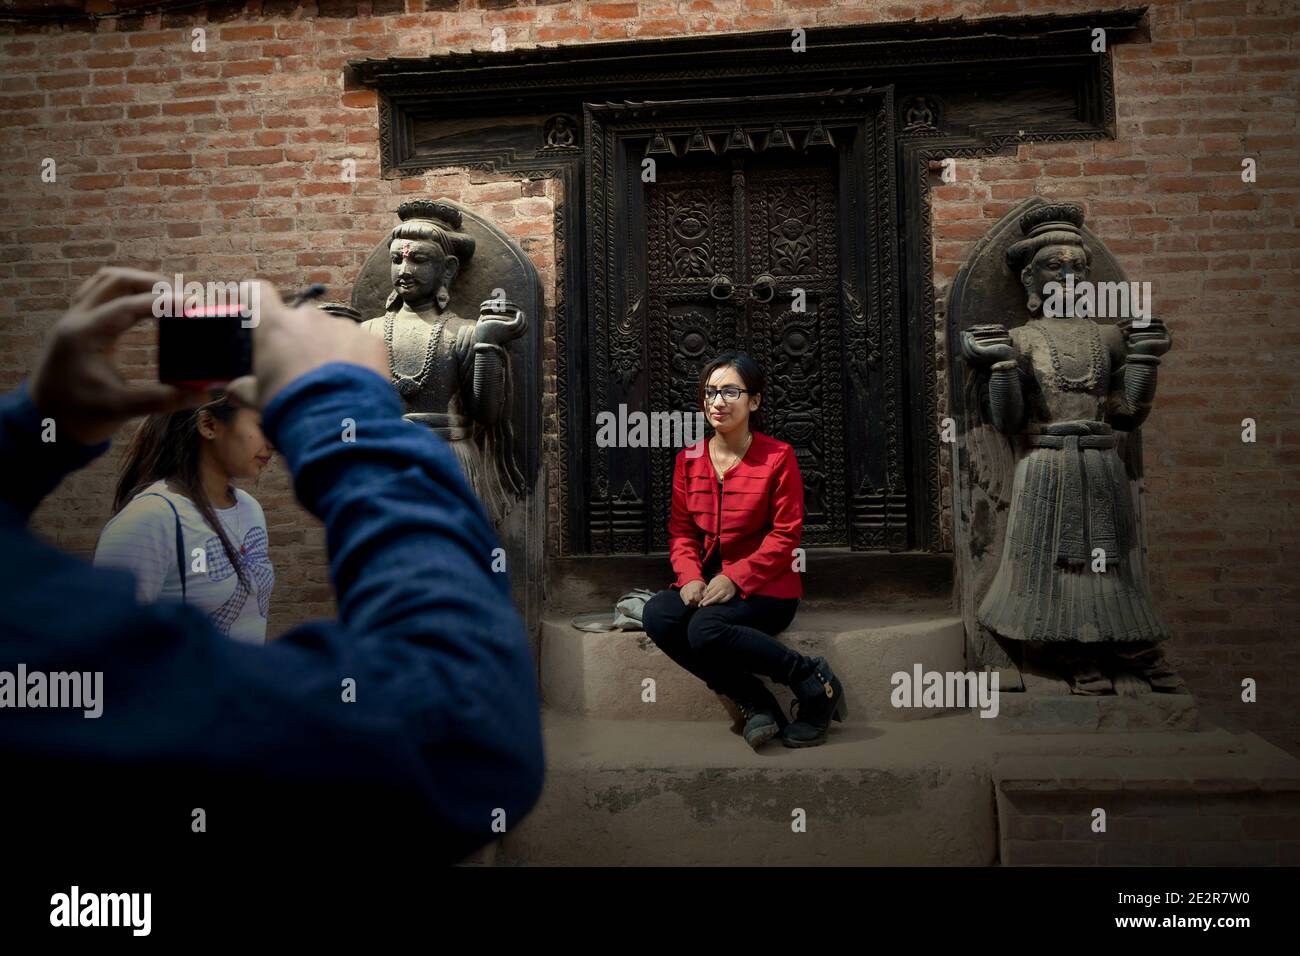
<point x="742" y="253"/>
<point x="757" y="223"/>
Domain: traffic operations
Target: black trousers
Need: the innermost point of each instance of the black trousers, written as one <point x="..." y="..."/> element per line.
<point x="725" y="645"/>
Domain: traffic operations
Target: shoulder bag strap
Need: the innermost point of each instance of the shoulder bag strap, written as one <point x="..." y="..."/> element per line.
<point x="180" y="539"/>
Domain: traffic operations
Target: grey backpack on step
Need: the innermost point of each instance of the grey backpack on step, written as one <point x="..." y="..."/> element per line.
<point x="626" y="615"/>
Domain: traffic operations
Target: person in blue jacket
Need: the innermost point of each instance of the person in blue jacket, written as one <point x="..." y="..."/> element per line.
<point x="414" y="716"/>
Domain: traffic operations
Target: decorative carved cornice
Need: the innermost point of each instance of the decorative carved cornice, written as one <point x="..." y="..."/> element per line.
<point x="538" y="72"/>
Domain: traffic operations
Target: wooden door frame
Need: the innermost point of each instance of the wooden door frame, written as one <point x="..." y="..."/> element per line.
<point x="616" y="135"/>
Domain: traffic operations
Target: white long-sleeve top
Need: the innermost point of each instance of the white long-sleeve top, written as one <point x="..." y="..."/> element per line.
<point x="141" y="539"/>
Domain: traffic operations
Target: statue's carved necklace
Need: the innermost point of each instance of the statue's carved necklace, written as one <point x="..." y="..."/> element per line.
<point x="1096" y="358"/>
<point x="410" y="384"/>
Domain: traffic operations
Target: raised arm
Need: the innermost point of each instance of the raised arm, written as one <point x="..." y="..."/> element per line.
<point x="991" y="347"/>
<point x="1133" y="388"/>
<point x="36" y="455"/>
<point x="488" y="341"/>
<point x="415" y="713"/>
<point x="1006" y="397"/>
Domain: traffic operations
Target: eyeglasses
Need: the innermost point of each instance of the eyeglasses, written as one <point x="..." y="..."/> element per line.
<point x="728" y="392"/>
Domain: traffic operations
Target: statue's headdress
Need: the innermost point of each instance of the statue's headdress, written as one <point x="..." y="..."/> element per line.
<point x="1055" y="224"/>
<point x="434" y="221"/>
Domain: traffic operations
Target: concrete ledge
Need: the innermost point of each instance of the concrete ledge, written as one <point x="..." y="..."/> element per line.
<point x="1208" y="741"/>
<point x="601" y="674"/>
<point x="1240" y="808"/>
<point x="667" y="793"/>
<point x="1251" y="764"/>
<point x="933" y="792"/>
<point x="1033" y="713"/>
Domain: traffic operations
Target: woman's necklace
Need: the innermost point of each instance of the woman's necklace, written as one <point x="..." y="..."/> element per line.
<point x="410" y="384"/>
<point x="713" y="455"/>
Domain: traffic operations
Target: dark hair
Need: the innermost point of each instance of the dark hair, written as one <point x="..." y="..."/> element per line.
<point x="166" y="447"/>
<point x="750" y="373"/>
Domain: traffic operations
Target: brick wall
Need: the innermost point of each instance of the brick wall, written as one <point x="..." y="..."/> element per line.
<point x="229" y="160"/>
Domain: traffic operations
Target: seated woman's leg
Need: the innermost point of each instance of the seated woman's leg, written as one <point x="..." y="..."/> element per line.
<point x="666" y="621"/>
<point x="664" y="618"/>
<point x="738" y="635"/>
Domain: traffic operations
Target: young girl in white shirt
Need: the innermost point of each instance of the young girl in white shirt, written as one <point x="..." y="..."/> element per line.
<point x="178" y="471"/>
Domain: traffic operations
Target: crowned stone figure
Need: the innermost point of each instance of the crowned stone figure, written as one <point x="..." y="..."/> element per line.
<point x="1071" y="582"/>
<point x="453" y="373"/>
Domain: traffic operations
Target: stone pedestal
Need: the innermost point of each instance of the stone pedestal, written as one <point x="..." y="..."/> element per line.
<point x="1238" y="807"/>
<point x="1039" y="713"/>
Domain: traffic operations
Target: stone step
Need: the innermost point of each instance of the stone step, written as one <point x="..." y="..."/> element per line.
<point x="933" y="792"/>
<point x="674" y="793"/>
<point x="601" y="674"/>
<point x="1237" y="808"/>
<point x="1065" y="713"/>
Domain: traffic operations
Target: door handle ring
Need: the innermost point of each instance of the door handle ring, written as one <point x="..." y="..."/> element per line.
<point x="764" y="288"/>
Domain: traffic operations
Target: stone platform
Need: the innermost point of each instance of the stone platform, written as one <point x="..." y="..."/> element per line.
<point x="1034" y="713"/>
<point x="1240" y="808"/>
<point x="669" y="782"/>
<point x="665" y="793"/>
<point x="933" y="792"/>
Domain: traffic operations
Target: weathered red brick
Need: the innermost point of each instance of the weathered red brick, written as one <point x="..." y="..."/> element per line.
<point x="190" y="107"/>
<point x="179" y="161"/>
<point x="254" y="157"/>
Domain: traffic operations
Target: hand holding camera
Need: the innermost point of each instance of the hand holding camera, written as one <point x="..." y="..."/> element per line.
<point x="76" y="382"/>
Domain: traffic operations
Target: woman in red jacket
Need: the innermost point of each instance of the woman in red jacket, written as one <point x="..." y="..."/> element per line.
<point x="737" y="516"/>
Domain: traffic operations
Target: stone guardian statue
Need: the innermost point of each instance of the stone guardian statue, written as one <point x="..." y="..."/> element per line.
<point x="453" y="373"/>
<point x="1070" y="584"/>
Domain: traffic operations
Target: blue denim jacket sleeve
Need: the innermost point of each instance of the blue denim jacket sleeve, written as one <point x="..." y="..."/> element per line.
<point x="443" y="706"/>
<point x="36" y="456"/>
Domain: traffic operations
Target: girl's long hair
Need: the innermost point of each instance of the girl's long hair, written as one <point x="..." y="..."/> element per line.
<point x="166" y="448"/>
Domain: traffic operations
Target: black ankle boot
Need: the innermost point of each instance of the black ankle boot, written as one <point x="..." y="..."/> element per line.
<point x="819" y="699"/>
<point x="763" y="718"/>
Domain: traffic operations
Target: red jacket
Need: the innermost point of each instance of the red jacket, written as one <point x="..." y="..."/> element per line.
<point x="761" y="504"/>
